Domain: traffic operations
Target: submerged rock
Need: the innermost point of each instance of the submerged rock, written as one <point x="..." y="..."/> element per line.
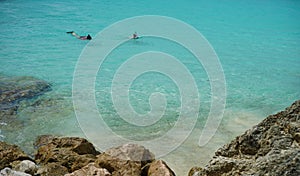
<point x="270" y="148"/>
<point x="15" y="89"/>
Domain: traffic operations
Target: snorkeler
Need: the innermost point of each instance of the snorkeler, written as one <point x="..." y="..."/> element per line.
<point x="88" y="37"/>
<point x="135" y="36"/>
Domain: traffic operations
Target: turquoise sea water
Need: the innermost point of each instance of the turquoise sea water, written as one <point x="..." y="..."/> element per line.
<point x="257" y="43"/>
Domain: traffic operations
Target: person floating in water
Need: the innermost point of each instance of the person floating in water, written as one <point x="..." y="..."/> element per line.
<point x="135" y="36"/>
<point x="88" y="37"/>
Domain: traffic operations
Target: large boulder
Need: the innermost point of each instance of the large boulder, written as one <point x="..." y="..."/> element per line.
<point x="10" y="153"/>
<point x="270" y="148"/>
<point x="70" y="152"/>
<point x="133" y="152"/>
<point x="125" y="160"/>
<point x="75" y="144"/>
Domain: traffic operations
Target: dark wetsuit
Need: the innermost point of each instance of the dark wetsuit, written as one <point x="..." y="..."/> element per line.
<point x="88" y="37"/>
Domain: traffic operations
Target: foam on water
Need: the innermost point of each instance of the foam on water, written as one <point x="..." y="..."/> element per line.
<point x="257" y="43"/>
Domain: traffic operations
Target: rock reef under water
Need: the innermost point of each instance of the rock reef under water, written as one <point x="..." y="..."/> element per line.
<point x="18" y="88"/>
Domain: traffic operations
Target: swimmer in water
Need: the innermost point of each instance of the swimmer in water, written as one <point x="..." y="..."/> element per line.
<point x="88" y="37"/>
<point x="135" y="36"/>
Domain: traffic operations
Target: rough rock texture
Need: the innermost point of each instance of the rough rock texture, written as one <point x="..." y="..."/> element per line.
<point x="157" y="168"/>
<point x="73" y="156"/>
<point x="52" y="169"/>
<point x="9" y="172"/>
<point x="132" y="152"/>
<point x="26" y="166"/>
<point x="10" y="153"/>
<point x="90" y="170"/>
<point x="194" y="171"/>
<point x="270" y="148"/>
<point x="70" y="152"/>
<point x="126" y="160"/>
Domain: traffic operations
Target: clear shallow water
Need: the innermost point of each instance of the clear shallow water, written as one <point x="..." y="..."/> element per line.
<point x="257" y="43"/>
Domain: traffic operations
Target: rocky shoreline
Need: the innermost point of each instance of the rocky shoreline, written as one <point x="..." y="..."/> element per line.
<point x="270" y="148"/>
<point x="70" y="156"/>
<point x="73" y="156"/>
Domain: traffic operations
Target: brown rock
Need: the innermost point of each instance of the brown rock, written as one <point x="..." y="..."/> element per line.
<point x="52" y="169"/>
<point x="132" y="152"/>
<point x="70" y="152"/>
<point x="158" y="168"/>
<point x="125" y="160"/>
<point x="194" y="170"/>
<point x="118" y="166"/>
<point x="79" y="145"/>
<point x="81" y="161"/>
<point x="90" y="170"/>
<point x="43" y="140"/>
<point x="10" y="153"/>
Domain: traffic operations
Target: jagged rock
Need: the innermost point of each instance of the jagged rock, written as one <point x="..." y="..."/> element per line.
<point x="270" y="148"/>
<point x="78" y="145"/>
<point x="132" y="152"/>
<point x="9" y="172"/>
<point x="10" y="153"/>
<point x="90" y="170"/>
<point x="194" y="171"/>
<point x="52" y="169"/>
<point x="118" y="166"/>
<point x="126" y="160"/>
<point x="26" y="166"/>
<point x="71" y="152"/>
<point x="58" y="156"/>
<point x="158" y="168"/>
<point x="43" y="140"/>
